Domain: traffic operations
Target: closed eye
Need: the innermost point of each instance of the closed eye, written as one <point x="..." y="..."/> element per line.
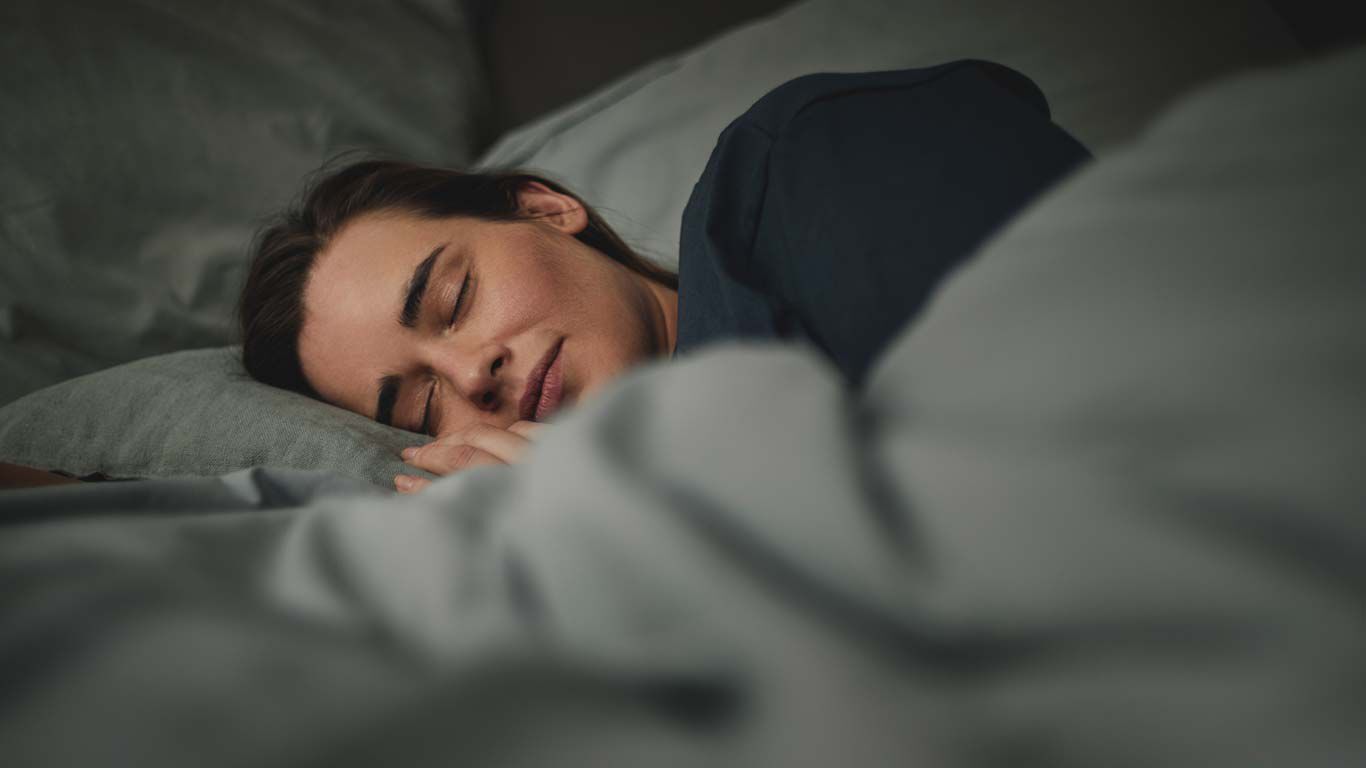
<point x="426" y="426"/>
<point x="460" y="299"/>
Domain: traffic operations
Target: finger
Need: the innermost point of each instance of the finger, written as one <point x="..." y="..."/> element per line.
<point x="527" y="429"/>
<point x="443" y="459"/>
<point x="410" y="483"/>
<point x="506" y="445"/>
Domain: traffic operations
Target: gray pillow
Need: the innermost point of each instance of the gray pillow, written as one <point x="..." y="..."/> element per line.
<point x="142" y="142"/>
<point x="192" y="413"/>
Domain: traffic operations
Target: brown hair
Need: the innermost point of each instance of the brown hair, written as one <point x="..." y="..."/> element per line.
<point x="271" y="308"/>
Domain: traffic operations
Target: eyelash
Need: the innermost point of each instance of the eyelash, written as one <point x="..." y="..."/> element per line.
<point x="460" y="298"/>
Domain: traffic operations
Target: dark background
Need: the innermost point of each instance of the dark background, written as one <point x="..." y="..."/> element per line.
<point x="536" y="58"/>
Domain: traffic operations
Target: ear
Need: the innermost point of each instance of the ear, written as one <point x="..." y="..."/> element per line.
<point x="563" y="212"/>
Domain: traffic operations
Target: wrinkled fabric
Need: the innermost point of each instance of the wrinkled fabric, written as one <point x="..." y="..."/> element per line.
<point x="1101" y="506"/>
<point x="196" y="412"/>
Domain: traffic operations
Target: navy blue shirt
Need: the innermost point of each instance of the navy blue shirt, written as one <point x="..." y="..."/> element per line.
<point x="831" y="209"/>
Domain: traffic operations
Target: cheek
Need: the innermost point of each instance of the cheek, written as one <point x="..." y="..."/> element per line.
<point x="543" y="287"/>
<point x="519" y="294"/>
<point x="616" y="338"/>
<point x="553" y="289"/>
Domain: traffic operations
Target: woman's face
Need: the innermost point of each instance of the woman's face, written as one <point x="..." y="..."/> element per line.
<point x="432" y="325"/>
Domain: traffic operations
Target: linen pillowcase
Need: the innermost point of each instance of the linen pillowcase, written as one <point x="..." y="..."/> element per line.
<point x="192" y="413"/>
<point x="143" y="142"/>
<point x="635" y="148"/>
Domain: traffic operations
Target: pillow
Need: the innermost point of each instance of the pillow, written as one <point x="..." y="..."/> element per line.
<point x="192" y="413"/>
<point x="636" y="147"/>
<point x="143" y="142"/>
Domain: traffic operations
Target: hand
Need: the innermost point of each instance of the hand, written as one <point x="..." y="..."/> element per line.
<point x="471" y="447"/>
<point x="15" y="476"/>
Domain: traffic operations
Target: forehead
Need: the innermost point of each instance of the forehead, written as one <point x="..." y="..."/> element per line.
<point x="350" y="335"/>
<point x="378" y="242"/>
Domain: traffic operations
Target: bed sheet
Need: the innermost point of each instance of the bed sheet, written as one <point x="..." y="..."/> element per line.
<point x="1101" y="507"/>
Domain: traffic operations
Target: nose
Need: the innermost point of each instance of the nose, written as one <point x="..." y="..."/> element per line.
<point x="476" y="373"/>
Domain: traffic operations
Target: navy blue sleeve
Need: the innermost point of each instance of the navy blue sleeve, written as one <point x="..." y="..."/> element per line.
<point x="832" y="208"/>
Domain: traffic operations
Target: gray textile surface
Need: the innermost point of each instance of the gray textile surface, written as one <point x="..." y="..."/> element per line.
<point x="635" y="147"/>
<point x="1102" y="507"/>
<point x="142" y="143"/>
<point x="192" y="413"/>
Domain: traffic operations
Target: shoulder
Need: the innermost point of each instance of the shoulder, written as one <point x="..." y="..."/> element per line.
<point x="810" y="120"/>
<point x="790" y="231"/>
<point x="797" y="98"/>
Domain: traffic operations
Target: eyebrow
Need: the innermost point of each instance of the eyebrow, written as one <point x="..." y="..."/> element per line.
<point x="417" y="289"/>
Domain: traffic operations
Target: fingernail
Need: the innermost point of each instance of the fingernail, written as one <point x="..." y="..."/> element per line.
<point x="408" y="453"/>
<point x="403" y="482"/>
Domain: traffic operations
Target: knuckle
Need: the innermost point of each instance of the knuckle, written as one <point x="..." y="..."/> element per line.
<point x="476" y="431"/>
<point x="430" y="460"/>
<point x="463" y="455"/>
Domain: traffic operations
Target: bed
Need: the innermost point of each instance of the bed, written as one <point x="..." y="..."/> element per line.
<point x="1100" y="504"/>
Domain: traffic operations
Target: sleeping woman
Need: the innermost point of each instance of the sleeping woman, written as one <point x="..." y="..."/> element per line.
<point x="473" y="307"/>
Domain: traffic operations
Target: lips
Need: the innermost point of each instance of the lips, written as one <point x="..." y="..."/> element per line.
<point x="544" y="387"/>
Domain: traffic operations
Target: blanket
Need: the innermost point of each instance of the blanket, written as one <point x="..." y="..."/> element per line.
<point x="1102" y="506"/>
